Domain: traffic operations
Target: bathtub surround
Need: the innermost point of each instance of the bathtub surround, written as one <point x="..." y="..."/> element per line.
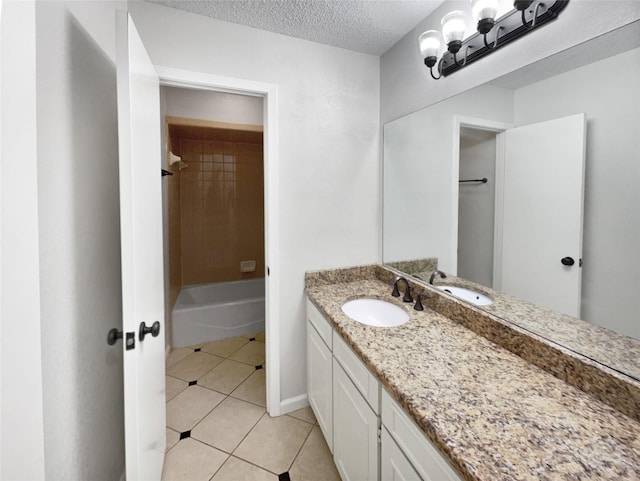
<point x="211" y="312"/>
<point x="493" y="414"/>
<point x="221" y="204"/>
<point x="219" y="209"/>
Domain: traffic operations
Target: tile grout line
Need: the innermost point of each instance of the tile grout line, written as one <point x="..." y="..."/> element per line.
<point x="229" y="455"/>
<point x="300" y="449"/>
<point x="197" y="348"/>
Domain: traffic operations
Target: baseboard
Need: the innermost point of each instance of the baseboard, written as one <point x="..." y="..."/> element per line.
<point x="293" y="404"/>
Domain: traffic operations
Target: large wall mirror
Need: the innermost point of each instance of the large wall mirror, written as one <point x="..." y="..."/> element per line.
<point x="572" y="192"/>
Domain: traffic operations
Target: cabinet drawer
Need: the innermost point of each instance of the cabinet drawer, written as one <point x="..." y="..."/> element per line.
<point x="364" y="381"/>
<point x="421" y="453"/>
<point x="320" y="323"/>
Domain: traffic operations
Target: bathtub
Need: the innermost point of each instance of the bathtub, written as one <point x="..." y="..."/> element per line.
<point x="210" y="312"/>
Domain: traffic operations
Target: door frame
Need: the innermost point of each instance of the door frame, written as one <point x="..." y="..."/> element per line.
<point x="459" y="122"/>
<point x="172" y="77"/>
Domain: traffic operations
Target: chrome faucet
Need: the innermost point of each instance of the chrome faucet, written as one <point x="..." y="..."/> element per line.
<point x="436" y="273"/>
<point x="407" y="292"/>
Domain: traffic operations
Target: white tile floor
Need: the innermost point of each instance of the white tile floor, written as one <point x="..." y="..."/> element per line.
<point x="217" y="425"/>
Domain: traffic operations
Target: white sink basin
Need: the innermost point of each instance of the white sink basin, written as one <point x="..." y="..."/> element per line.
<point x="467" y="295"/>
<point x="375" y="312"/>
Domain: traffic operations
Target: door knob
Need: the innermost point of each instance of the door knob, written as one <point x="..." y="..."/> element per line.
<point x="154" y="330"/>
<point x="113" y="336"/>
<point x="567" y="261"/>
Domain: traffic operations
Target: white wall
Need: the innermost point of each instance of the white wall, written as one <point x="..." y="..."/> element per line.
<point x="418" y="175"/>
<point x="405" y="83"/>
<point x="21" y="421"/>
<point x="78" y="204"/>
<point x="218" y="106"/>
<point x="329" y="147"/>
<point x="607" y="91"/>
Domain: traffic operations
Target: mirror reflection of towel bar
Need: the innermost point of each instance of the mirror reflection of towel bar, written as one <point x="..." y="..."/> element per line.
<point x="483" y="180"/>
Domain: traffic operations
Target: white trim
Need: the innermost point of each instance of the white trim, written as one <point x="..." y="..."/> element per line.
<point x="293" y="403"/>
<point x="460" y="121"/>
<point x="22" y="431"/>
<point x="498" y="224"/>
<point x="198" y="80"/>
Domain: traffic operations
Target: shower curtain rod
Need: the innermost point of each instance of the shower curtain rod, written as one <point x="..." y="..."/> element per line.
<point x="483" y="180"/>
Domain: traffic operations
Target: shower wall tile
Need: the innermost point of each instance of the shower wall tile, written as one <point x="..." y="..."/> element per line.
<point x="222" y="205"/>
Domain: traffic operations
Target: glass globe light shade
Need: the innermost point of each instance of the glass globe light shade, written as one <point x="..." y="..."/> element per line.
<point x="453" y="26"/>
<point x="430" y="43"/>
<point x="481" y="9"/>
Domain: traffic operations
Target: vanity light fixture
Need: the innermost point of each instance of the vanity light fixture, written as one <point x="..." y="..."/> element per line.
<point x="525" y="16"/>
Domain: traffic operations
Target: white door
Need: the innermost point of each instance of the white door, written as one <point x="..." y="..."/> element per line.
<point x="542" y="216"/>
<point x="141" y="243"/>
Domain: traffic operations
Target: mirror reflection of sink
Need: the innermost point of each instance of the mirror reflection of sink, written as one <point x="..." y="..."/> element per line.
<point x="467" y="294"/>
<point x="374" y="312"/>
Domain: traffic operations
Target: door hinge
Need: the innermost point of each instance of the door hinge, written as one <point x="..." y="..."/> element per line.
<point x="580" y="263"/>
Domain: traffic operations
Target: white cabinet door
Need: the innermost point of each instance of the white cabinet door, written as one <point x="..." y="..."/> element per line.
<point x="394" y="465"/>
<point x="141" y="245"/>
<point x="425" y="458"/>
<point x="319" y="382"/>
<point x="355" y="431"/>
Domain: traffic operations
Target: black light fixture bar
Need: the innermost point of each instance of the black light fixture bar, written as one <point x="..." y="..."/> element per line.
<point x="510" y="27"/>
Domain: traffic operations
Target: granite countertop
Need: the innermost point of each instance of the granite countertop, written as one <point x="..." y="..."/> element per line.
<point x="495" y="416"/>
<point x="603" y="345"/>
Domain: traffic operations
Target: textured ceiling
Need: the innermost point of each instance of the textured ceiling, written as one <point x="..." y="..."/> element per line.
<point x="368" y="26"/>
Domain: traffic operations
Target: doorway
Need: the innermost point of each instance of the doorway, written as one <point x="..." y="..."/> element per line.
<point x="476" y="205"/>
<point x="268" y="93"/>
<point x="478" y="173"/>
<point x="214" y="215"/>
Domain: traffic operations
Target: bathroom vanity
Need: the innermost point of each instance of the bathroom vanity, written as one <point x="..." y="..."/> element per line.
<point x="434" y="400"/>
<point x="356" y="414"/>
